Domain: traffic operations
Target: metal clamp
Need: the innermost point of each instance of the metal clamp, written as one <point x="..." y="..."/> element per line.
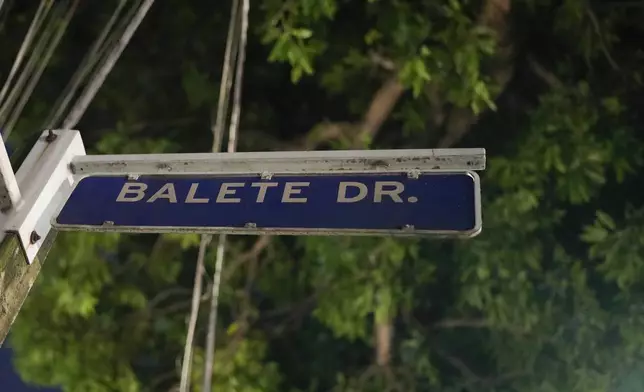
<point x="44" y="181"/>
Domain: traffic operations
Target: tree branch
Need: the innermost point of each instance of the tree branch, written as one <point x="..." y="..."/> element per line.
<point x="473" y="378"/>
<point x="179" y="305"/>
<point x="165" y="295"/>
<point x="436" y="104"/>
<point x="383" y="332"/>
<point x="383" y="322"/>
<point x="153" y="124"/>
<point x="459" y="364"/>
<point x="494" y="15"/>
<point x="602" y="43"/>
<point x="379" y="110"/>
<point x="458" y="323"/>
<point x="353" y="134"/>
<point x="383" y="62"/>
<point x="459" y="122"/>
<point x="475" y="323"/>
<point x="548" y="77"/>
<point x="254" y="252"/>
<point x="357" y="135"/>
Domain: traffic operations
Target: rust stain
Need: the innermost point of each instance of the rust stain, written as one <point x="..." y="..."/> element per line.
<point x="373" y="163"/>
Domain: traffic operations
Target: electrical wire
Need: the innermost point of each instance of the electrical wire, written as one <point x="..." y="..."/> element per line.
<point x="51" y="47"/>
<point x="14" y="92"/>
<point x="109" y="50"/>
<point x="184" y="385"/>
<point x="98" y="78"/>
<point x="233" y="132"/>
<point x="219" y="118"/>
<point x="234" y="56"/>
<point x="46" y="31"/>
<point x="232" y="45"/>
<point x="217" y="128"/>
<point x="39" y="17"/>
<point x="89" y="62"/>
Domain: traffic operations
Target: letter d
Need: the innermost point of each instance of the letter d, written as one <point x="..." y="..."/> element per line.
<point x="342" y="192"/>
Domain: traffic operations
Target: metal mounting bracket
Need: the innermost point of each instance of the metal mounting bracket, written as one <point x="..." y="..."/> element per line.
<point x="44" y="180"/>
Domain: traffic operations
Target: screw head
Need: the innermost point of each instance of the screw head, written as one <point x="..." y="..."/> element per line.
<point x="34" y="237"/>
<point x="51" y="136"/>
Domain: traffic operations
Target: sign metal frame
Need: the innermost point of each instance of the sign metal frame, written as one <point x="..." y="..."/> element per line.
<point x="34" y="196"/>
<point x="264" y="165"/>
<point x="331" y="168"/>
<point x="288" y="162"/>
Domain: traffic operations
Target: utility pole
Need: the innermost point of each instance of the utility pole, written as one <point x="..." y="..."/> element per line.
<point x="29" y="199"/>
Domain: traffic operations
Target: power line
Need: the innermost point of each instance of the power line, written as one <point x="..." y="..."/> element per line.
<point x="50" y="48"/>
<point x="233" y="131"/>
<point x="219" y="118"/>
<point x="39" y="17"/>
<point x="99" y="77"/>
<point x="11" y="93"/>
<point x="90" y="60"/>
<point x="234" y="55"/>
<point x="194" y="312"/>
<point x="46" y="31"/>
<point x="232" y="44"/>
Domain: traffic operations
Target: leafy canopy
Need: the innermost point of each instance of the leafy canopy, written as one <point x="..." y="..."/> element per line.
<point x="547" y="298"/>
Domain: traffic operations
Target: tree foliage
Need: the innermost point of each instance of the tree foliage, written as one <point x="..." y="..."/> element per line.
<point x="547" y="298"/>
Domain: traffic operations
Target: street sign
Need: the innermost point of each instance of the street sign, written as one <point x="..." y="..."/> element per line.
<point x="334" y="203"/>
<point x="379" y="192"/>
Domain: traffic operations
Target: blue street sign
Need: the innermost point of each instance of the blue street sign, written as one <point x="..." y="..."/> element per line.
<point x="369" y="203"/>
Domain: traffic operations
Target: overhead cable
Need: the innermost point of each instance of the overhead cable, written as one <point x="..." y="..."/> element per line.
<point x="233" y="132"/>
<point x="89" y="62"/>
<point x="98" y="78"/>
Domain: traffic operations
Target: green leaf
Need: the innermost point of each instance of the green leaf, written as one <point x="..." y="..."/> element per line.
<point x="612" y="105"/>
<point x="594" y="234"/>
<point x="606" y="220"/>
<point x="302" y="33"/>
<point x="372" y="36"/>
<point x="296" y="74"/>
<point x="197" y="87"/>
